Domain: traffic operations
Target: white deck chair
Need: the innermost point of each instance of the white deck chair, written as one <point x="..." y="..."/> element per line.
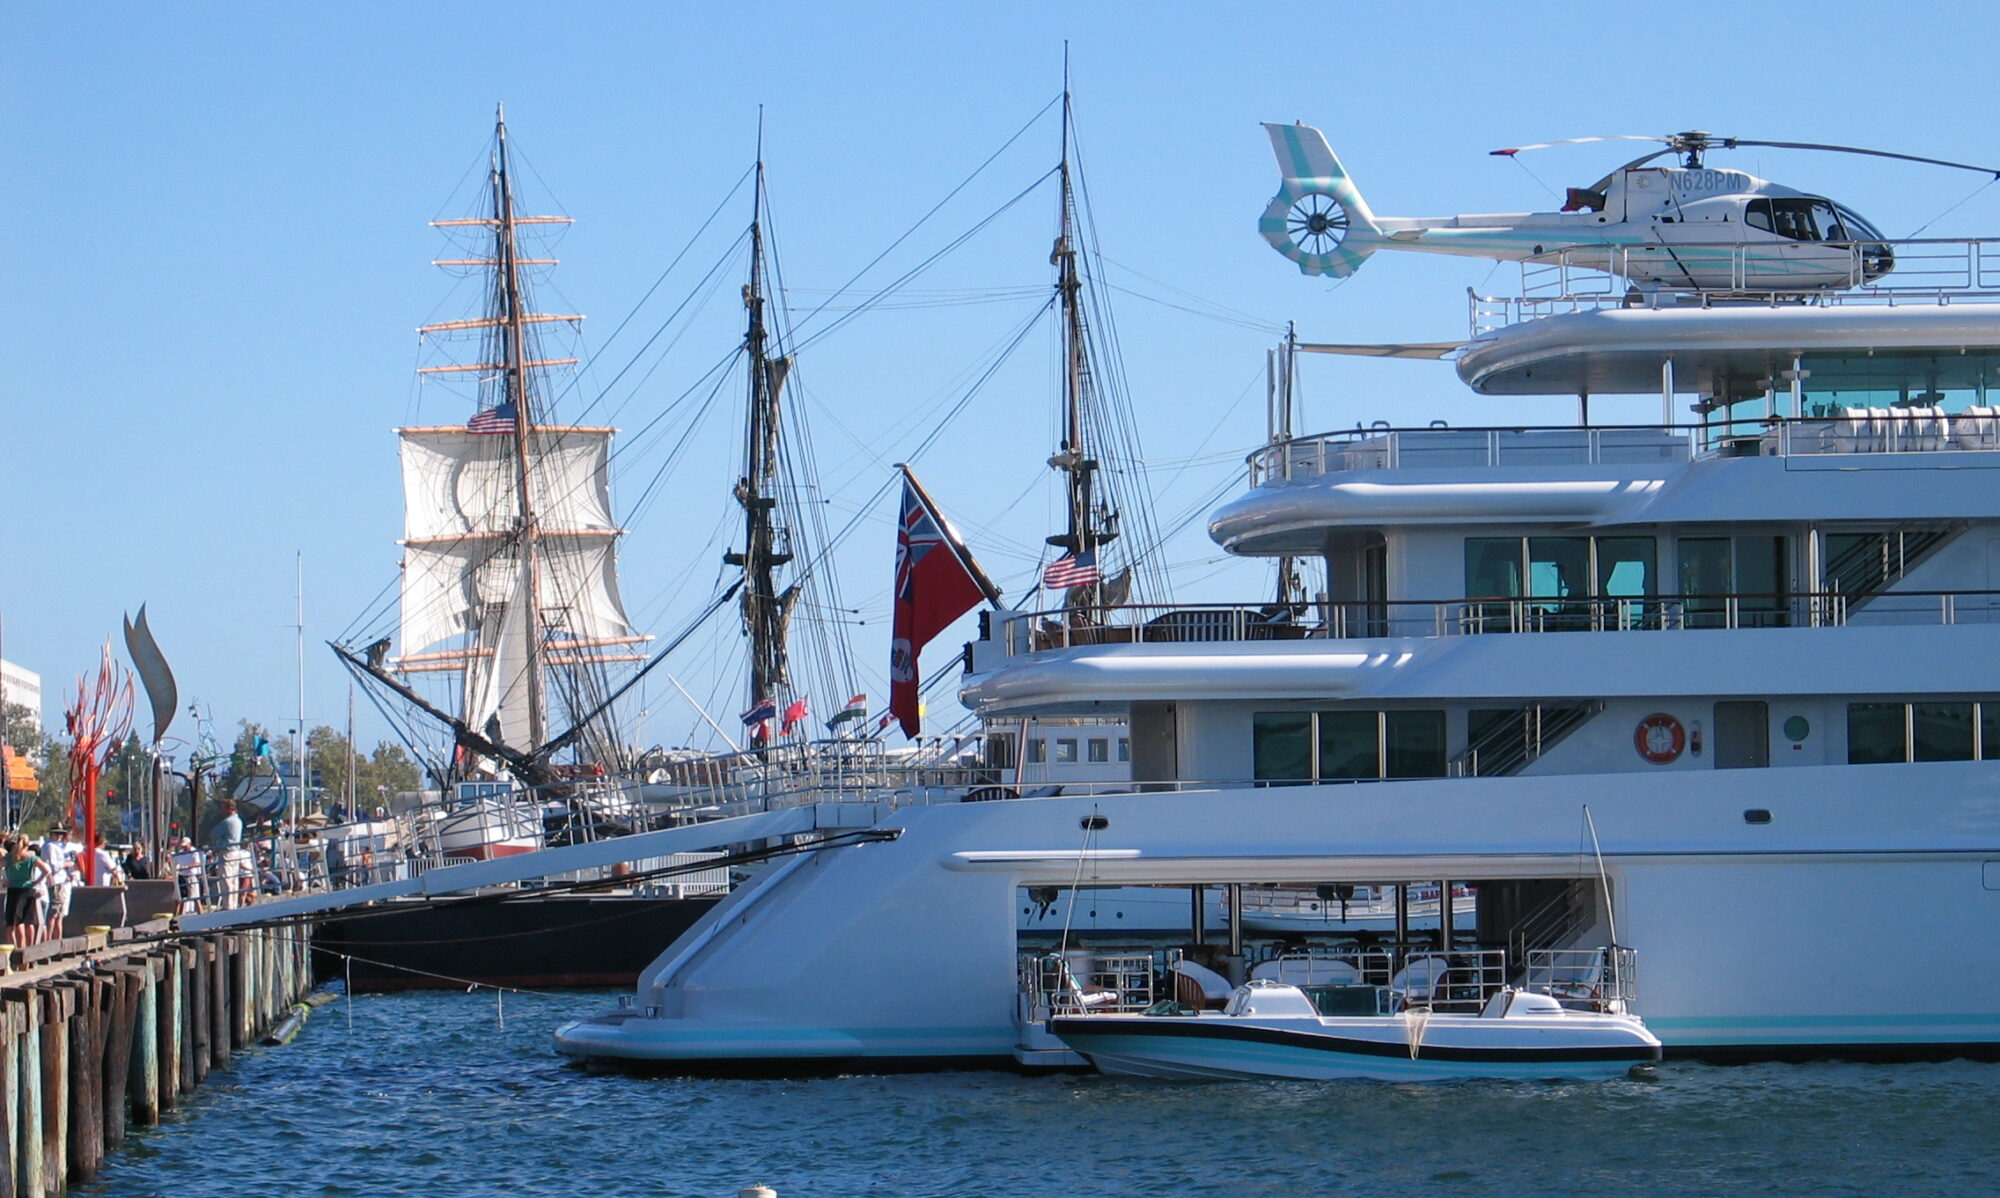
<point x="1196" y="981"/>
<point x="1420" y="979"/>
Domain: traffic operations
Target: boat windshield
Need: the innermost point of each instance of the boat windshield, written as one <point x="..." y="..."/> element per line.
<point x="1348" y="1000"/>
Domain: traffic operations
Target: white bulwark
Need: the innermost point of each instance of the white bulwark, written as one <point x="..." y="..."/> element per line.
<point x="22" y="686"/>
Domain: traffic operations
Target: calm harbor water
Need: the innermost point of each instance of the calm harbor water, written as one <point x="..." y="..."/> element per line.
<point x="429" y="1094"/>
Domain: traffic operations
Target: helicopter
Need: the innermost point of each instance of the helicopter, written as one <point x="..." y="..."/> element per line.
<point x="1684" y="228"/>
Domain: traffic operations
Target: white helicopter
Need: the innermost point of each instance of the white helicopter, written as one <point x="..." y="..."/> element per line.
<point x="1689" y="228"/>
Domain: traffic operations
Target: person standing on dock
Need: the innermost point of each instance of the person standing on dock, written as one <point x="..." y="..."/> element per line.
<point x="59" y="854"/>
<point x="232" y="862"/>
<point x="24" y="869"/>
<point x="187" y="867"/>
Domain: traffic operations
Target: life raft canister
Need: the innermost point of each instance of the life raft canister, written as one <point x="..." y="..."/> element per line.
<point x="1659" y="738"/>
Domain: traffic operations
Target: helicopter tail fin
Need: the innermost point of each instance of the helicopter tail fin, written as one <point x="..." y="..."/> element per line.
<point x="1318" y="218"/>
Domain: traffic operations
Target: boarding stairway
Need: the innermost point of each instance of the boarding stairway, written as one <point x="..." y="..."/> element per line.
<point x="1875" y="561"/>
<point x="1512" y="744"/>
<point x="801" y="820"/>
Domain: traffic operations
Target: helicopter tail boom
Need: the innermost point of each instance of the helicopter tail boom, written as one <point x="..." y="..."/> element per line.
<point x="1318" y="218"/>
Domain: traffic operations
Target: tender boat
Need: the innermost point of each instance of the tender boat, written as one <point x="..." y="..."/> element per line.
<point x="1409" y="1030"/>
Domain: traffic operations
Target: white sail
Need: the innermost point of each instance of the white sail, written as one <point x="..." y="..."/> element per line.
<point x="462" y="576"/>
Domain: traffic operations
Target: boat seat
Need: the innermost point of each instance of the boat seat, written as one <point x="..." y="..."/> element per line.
<point x="1420" y="980"/>
<point x="1071" y="994"/>
<point x="1308" y="971"/>
<point x="1200" y="987"/>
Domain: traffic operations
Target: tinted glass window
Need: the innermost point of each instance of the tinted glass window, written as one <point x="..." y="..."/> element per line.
<point x="1625" y="565"/>
<point x="1124" y="749"/>
<point x="1349" y="744"/>
<point x="1281" y="746"/>
<point x="1989" y="729"/>
<point x="1038" y="751"/>
<point x="1492" y="567"/>
<point x="1558" y="567"/>
<point x="1757" y="214"/>
<point x="1100" y="749"/>
<point x="1065" y="752"/>
<point x="1875" y="733"/>
<point x="1943" y="731"/>
<point x="1415" y="744"/>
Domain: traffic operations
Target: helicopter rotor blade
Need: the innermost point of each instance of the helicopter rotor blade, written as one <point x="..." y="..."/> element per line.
<point x="1572" y="141"/>
<point x="1733" y="142"/>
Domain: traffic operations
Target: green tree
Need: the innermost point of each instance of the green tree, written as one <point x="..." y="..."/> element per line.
<point x="326" y="757"/>
<point x="383" y="774"/>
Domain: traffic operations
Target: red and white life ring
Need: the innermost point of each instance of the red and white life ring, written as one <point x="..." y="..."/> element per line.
<point x="1659" y="738"/>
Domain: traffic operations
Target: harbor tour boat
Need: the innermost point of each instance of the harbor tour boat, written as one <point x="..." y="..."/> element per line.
<point x="1436" y="1019"/>
<point x="1757" y="646"/>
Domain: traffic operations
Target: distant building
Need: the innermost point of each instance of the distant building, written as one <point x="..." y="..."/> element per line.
<point x="24" y="687"/>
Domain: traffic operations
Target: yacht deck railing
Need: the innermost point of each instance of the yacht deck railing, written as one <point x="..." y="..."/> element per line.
<point x="1023" y="633"/>
<point x="1853" y="430"/>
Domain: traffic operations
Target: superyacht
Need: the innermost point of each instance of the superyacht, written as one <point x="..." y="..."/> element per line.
<point x="1716" y="696"/>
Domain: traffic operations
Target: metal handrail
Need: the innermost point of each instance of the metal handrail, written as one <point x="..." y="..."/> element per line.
<point x="1023" y="633"/>
<point x="1855" y="431"/>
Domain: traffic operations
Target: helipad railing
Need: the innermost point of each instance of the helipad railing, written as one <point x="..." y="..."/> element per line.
<point x="1583" y="278"/>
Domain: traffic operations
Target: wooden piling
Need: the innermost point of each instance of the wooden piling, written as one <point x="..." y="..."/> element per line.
<point x="201" y="1025"/>
<point x="55" y="1081"/>
<point x="166" y="1029"/>
<point x="241" y="952"/>
<point x="28" y="1082"/>
<point x="218" y="1044"/>
<point x="145" y="1073"/>
<point x="10" y="1098"/>
<point x="119" y="1035"/>
<point x="86" y="1073"/>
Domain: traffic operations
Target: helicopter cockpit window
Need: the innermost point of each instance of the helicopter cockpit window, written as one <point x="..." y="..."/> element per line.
<point x="1831" y="228"/>
<point x="1799" y="219"/>
<point x="1858" y="228"/>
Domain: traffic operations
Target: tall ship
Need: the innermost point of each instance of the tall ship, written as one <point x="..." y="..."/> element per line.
<point x="1712" y="697"/>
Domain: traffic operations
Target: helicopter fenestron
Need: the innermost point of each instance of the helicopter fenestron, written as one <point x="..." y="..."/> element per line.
<point x="1688" y="227"/>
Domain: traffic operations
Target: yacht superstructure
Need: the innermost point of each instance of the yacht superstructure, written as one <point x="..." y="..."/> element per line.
<point x="1726" y="692"/>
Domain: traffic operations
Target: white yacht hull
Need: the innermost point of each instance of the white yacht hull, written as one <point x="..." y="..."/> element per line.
<point x="1760" y="939"/>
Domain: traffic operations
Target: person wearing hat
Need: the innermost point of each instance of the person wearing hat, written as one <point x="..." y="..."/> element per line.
<point x="60" y="852"/>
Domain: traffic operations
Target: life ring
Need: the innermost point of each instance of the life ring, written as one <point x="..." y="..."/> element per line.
<point x="1659" y="738"/>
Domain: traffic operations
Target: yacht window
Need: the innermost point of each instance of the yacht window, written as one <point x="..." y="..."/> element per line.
<point x="1625" y="565"/>
<point x="1492" y="567"/>
<point x="1100" y="749"/>
<point x="1558" y="568"/>
<point x="1415" y="744"/>
<point x="1124" y="748"/>
<point x="1941" y="731"/>
<point x="1038" y="750"/>
<point x="1350" y="745"/>
<point x="1877" y="733"/>
<point x="1989" y="729"/>
<point x="1347" y="745"/>
<point x="1065" y="751"/>
<point x="1281" y="746"/>
<point x="1000" y="751"/>
<point x="1751" y="570"/>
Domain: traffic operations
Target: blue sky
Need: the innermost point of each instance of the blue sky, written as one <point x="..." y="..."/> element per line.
<point x="218" y="251"/>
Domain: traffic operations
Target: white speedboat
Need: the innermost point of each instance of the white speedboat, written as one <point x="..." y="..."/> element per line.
<point x="1271" y="1029"/>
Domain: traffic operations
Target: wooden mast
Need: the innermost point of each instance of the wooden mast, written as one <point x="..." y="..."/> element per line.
<point x="1085" y="534"/>
<point x="764" y="548"/>
<point x="513" y="337"/>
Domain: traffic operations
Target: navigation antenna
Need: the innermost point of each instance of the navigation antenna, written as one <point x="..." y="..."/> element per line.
<point x="766" y="542"/>
<point x="1089" y="528"/>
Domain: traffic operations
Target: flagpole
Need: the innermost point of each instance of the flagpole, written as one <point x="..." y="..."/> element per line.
<point x="958" y="548"/>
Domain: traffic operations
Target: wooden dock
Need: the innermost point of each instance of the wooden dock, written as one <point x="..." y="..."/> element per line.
<point x="107" y="1031"/>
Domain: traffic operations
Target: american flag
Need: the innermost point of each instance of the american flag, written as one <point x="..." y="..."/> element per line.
<point x="1072" y="570"/>
<point x="492" y="420"/>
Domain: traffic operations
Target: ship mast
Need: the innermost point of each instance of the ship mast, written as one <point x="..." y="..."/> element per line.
<point x="766" y="543"/>
<point x="1088" y="528"/>
<point x="513" y="357"/>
